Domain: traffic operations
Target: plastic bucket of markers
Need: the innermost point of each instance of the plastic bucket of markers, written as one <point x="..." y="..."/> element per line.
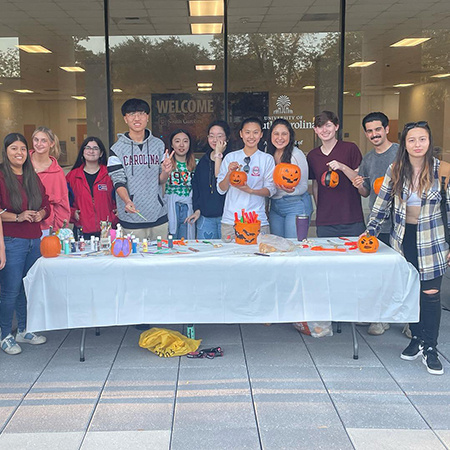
<point x="246" y="233"/>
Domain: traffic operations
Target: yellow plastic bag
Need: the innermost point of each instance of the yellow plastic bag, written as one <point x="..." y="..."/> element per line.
<point x="166" y="343"/>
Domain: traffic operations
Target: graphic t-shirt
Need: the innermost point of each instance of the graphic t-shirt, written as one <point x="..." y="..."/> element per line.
<point x="180" y="180"/>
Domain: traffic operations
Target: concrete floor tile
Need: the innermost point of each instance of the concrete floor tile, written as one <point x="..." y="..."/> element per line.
<point x="41" y="441"/>
<point x="444" y="435"/>
<point x="135" y="357"/>
<point x="233" y="356"/>
<point x="32" y="359"/>
<point x="322" y="437"/>
<point x="69" y="358"/>
<point x="119" y="440"/>
<point x="434" y="407"/>
<point x="277" y="354"/>
<point x="394" y="439"/>
<point x="109" y="336"/>
<point x="222" y="438"/>
<point x="276" y="332"/>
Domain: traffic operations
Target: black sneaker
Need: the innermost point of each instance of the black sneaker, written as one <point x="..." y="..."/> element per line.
<point x="414" y="349"/>
<point x="431" y="360"/>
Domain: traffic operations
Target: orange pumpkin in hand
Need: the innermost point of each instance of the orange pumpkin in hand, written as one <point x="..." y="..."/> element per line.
<point x="368" y="243"/>
<point x="287" y="175"/>
<point x="377" y="185"/>
<point x="238" y="178"/>
<point x="330" y="179"/>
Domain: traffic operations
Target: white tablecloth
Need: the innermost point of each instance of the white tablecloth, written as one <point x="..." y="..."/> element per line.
<point x="221" y="285"/>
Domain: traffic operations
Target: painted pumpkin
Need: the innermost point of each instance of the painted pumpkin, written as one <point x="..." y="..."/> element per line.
<point x="50" y="246"/>
<point x="121" y="247"/>
<point x="64" y="232"/>
<point x="377" y="185"/>
<point x="286" y="175"/>
<point x="368" y="244"/>
<point x="238" y="178"/>
<point x="330" y="179"/>
<point x="246" y="233"/>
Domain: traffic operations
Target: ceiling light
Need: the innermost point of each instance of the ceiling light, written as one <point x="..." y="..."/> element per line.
<point x="72" y="69"/>
<point x="397" y="93"/>
<point x="309" y="87"/>
<point x="33" y="48"/>
<point x="204" y="84"/>
<point x="205" y="67"/>
<point x="410" y="42"/>
<point x="203" y="89"/>
<point x="23" y="91"/>
<point x="362" y="64"/>
<point x="441" y="75"/>
<point x="79" y="97"/>
<point x="403" y="84"/>
<point x="206" y="28"/>
<point x="117" y="90"/>
<point x="346" y="92"/>
<point x="205" y="8"/>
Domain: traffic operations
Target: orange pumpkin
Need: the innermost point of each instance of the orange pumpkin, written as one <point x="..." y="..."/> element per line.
<point x="121" y="247"/>
<point x="377" y="185"/>
<point x="238" y="178"/>
<point x="50" y="246"/>
<point x="247" y="233"/>
<point x="368" y="243"/>
<point x="330" y="179"/>
<point x="286" y="175"/>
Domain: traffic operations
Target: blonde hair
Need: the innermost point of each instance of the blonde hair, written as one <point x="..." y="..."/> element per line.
<point x="55" y="149"/>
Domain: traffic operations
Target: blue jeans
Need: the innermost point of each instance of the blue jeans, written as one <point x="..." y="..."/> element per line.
<point x="283" y="211"/>
<point x="209" y="227"/>
<point x="21" y="254"/>
<point x="182" y="213"/>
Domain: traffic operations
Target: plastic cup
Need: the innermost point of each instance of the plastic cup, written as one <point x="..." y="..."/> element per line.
<point x="302" y="225"/>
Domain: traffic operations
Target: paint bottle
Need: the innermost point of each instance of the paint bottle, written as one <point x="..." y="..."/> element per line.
<point x="66" y="247"/>
<point x="92" y="243"/>
<point x="73" y="245"/>
<point x="145" y="246"/>
<point x="158" y="242"/>
<point x="82" y="244"/>
<point x="170" y="240"/>
<point x="133" y="244"/>
<point x="97" y="244"/>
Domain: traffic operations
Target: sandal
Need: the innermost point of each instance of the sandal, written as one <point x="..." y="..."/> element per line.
<point x="209" y="353"/>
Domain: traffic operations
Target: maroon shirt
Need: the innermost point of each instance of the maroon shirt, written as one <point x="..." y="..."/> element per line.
<point x="342" y="204"/>
<point x="25" y="229"/>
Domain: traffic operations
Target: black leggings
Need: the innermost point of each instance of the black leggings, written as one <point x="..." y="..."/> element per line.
<point x="430" y="304"/>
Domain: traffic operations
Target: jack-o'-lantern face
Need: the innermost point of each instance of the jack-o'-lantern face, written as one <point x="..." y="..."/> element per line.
<point x="238" y="178"/>
<point x="330" y="179"/>
<point x="377" y="185"/>
<point x="368" y="244"/>
<point x="286" y="175"/>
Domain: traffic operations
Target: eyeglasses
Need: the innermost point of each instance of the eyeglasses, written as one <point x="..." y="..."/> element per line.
<point x="411" y="125"/>
<point x="246" y="168"/>
<point x="136" y="114"/>
<point x="219" y="137"/>
<point x="95" y="149"/>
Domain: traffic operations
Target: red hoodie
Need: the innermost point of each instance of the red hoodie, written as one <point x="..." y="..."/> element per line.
<point x="95" y="208"/>
<point x="55" y="185"/>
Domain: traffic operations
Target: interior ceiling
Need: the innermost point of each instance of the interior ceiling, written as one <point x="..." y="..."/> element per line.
<point x="381" y="23"/>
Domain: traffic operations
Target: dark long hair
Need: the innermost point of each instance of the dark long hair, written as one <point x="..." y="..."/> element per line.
<point x="287" y="151"/>
<point x="403" y="171"/>
<point x="80" y="158"/>
<point x="190" y="157"/>
<point x="30" y="179"/>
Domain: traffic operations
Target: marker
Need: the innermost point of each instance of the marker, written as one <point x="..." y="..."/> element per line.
<point x="260" y="254"/>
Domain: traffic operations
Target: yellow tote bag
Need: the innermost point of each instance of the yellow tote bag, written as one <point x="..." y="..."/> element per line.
<point x="166" y="343"/>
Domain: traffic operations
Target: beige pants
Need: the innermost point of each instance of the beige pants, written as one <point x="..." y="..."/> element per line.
<point x="149" y="233"/>
<point x="228" y="230"/>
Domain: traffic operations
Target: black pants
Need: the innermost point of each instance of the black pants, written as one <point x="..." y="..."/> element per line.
<point x="347" y="229"/>
<point x="430" y="304"/>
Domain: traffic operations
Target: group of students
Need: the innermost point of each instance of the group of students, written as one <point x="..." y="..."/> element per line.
<point x="153" y="191"/>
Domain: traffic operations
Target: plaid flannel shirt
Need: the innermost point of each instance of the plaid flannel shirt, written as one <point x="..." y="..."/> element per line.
<point x="431" y="245"/>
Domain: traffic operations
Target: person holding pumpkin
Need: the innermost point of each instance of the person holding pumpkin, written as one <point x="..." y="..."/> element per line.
<point x="288" y="202"/>
<point x="206" y="201"/>
<point x="179" y="186"/>
<point x="258" y="167"/>
<point x="91" y="192"/>
<point x="44" y="156"/>
<point x="411" y="192"/>
<point x="25" y="205"/>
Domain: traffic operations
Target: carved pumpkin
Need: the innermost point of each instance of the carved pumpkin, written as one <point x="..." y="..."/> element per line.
<point x="330" y="179"/>
<point x="246" y="233"/>
<point x="64" y="232"/>
<point x="121" y="247"/>
<point x="377" y="185"/>
<point x="238" y="178"/>
<point x="50" y="246"/>
<point x="286" y="175"/>
<point x="368" y="243"/>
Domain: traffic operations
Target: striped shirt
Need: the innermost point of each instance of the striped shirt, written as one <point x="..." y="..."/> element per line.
<point x="431" y="245"/>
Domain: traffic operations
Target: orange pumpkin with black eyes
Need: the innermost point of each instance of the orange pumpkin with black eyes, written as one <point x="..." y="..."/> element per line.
<point x="377" y="185"/>
<point x="287" y="175"/>
<point x="238" y="178"/>
<point x="368" y="243"/>
<point x="330" y="179"/>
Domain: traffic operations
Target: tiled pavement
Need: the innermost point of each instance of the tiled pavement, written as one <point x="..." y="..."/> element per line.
<point x="273" y="389"/>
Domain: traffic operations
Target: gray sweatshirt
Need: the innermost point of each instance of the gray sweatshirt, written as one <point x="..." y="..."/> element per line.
<point x="137" y="168"/>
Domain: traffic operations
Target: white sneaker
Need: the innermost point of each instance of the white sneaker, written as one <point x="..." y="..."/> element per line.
<point x="378" y="328"/>
<point x="10" y="346"/>
<point x="28" y="337"/>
